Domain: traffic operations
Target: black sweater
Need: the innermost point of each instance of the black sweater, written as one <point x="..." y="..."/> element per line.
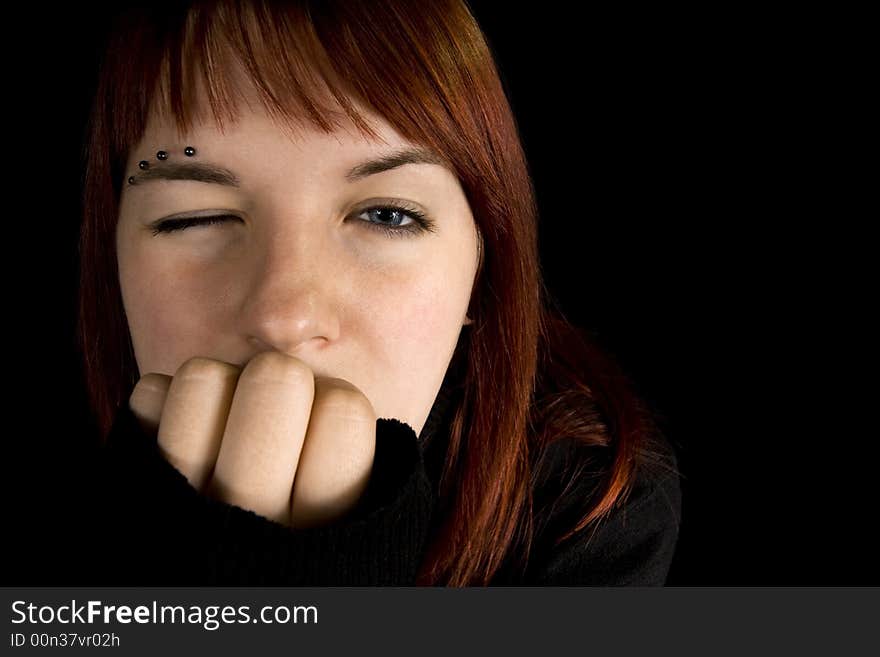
<point x="146" y="525"/>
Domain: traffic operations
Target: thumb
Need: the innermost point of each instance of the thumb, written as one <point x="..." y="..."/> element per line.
<point x="148" y="399"/>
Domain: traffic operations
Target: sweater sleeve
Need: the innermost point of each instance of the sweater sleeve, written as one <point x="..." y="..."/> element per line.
<point x="632" y="546"/>
<point x="159" y="530"/>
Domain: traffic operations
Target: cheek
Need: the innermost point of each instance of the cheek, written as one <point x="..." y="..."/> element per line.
<point x="168" y="314"/>
<point x="424" y="302"/>
<point x="416" y="316"/>
<point x="413" y="330"/>
<point x="416" y="312"/>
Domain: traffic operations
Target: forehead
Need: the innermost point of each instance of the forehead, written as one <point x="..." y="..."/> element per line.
<point x="256" y="134"/>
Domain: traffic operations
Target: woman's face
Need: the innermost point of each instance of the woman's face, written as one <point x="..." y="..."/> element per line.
<point x="299" y="264"/>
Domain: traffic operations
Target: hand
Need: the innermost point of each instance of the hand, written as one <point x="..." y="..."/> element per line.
<point x="270" y="437"/>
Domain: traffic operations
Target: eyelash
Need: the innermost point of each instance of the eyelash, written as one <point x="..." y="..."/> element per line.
<point x="421" y="223"/>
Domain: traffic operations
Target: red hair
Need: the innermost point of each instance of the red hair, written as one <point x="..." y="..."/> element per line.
<point x="530" y="376"/>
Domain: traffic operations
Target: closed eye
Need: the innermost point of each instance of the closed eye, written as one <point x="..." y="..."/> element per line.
<point x="171" y="225"/>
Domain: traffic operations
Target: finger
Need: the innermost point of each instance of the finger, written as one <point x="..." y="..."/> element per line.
<point x="148" y="398"/>
<point x="264" y="435"/>
<point x="337" y="456"/>
<point x="194" y="416"/>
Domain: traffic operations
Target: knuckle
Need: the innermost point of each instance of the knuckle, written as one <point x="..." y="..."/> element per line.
<point x="153" y="382"/>
<point x="201" y="369"/>
<point x="276" y="367"/>
<point x="343" y="398"/>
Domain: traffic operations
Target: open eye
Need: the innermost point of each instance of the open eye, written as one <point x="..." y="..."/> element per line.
<point x="391" y="219"/>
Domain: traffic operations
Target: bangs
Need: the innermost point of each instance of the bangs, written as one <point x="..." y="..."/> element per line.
<point x="328" y="64"/>
<point x="203" y="73"/>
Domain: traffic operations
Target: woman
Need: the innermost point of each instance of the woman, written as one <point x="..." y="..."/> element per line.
<point x="321" y="351"/>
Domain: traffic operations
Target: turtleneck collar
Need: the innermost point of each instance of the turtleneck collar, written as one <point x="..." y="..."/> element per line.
<point x="440" y="413"/>
<point x="434" y="437"/>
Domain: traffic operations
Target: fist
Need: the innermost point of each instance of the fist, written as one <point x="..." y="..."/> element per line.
<point x="270" y="437"/>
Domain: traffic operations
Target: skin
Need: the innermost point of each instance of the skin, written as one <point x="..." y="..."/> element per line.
<point x="269" y="345"/>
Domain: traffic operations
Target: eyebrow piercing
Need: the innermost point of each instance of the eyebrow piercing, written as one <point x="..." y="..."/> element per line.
<point x="189" y="151"/>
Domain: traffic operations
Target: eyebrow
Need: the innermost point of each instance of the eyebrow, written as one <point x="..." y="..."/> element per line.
<point x="198" y="171"/>
<point x="392" y="161"/>
<point x="209" y="173"/>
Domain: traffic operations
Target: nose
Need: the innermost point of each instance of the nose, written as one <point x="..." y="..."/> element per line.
<point x="291" y="304"/>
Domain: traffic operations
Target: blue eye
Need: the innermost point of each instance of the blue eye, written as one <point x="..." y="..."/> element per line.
<point x="389" y="219"/>
<point x="392" y="218"/>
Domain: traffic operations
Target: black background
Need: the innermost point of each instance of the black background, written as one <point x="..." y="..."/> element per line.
<point x="666" y="150"/>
